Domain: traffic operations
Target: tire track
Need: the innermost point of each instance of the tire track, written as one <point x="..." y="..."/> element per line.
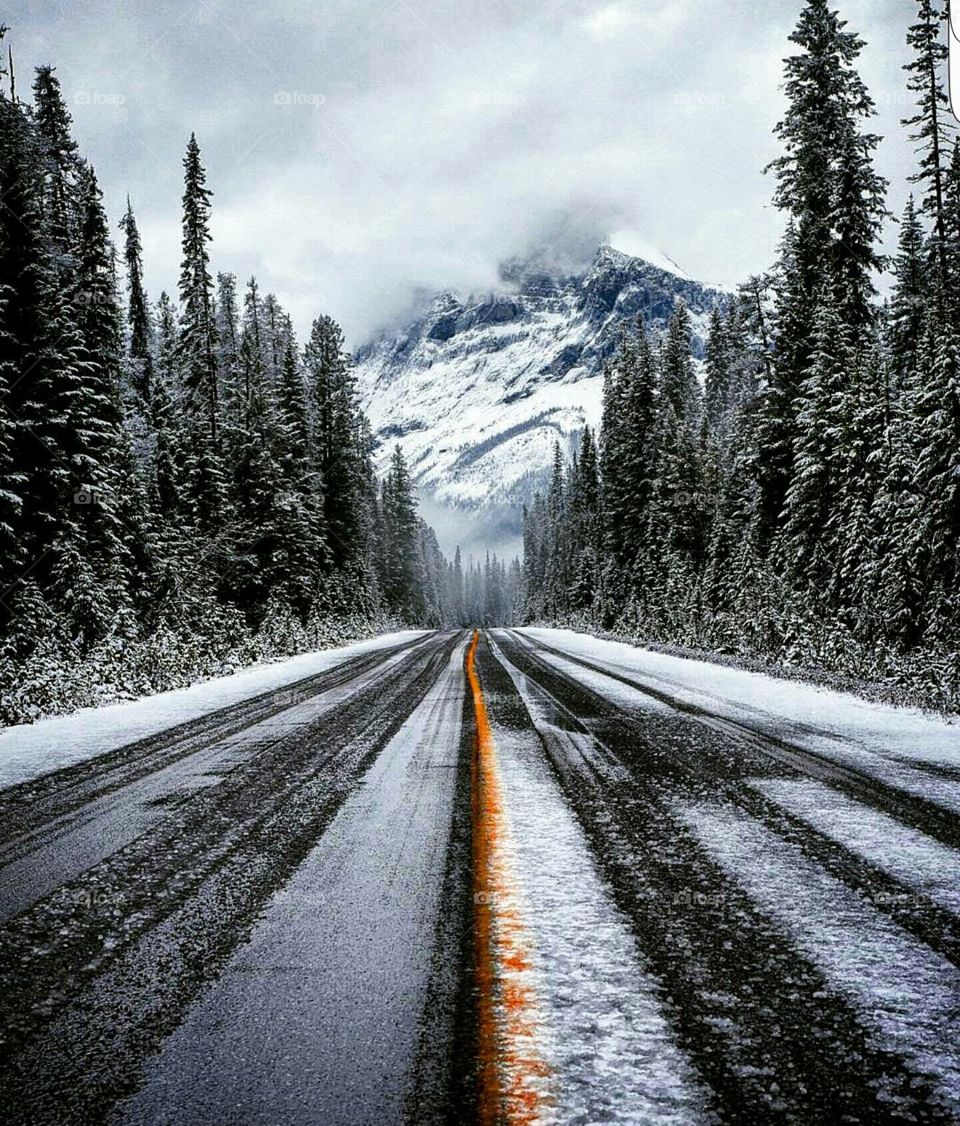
<point x="915" y="811"/>
<point x="38" y="804"/>
<point x="902" y="901"/>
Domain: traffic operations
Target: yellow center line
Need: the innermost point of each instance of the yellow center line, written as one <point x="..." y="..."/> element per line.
<point x="511" y="1069"/>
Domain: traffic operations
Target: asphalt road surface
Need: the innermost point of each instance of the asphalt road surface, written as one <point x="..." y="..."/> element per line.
<point x="478" y="878"/>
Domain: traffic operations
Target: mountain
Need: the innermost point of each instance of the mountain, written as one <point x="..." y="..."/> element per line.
<point x="478" y="389"/>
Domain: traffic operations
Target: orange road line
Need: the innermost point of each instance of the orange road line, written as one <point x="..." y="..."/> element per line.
<point x="511" y="1069"/>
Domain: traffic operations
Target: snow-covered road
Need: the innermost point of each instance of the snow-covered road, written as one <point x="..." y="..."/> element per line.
<point x="521" y="877"/>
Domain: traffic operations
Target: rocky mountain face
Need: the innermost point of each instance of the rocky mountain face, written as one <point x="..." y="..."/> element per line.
<point x="478" y="389"/>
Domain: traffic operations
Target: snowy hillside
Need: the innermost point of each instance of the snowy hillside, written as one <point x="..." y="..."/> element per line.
<point x="477" y="390"/>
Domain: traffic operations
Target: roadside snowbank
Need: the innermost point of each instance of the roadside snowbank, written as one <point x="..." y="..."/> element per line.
<point x="29" y="750"/>
<point x="819" y="718"/>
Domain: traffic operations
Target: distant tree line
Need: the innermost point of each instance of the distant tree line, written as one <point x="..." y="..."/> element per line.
<point x="798" y="498"/>
<point x="183" y="487"/>
<point x="480" y="594"/>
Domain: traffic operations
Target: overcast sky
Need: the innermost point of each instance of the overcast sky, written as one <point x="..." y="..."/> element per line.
<point x="358" y="148"/>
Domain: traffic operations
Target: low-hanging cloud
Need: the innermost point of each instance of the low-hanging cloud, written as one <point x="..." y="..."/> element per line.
<point x="360" y="151"/>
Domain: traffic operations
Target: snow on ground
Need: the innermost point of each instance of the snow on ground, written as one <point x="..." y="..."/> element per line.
<point x="903" y="991"/>
<point x="29" y="750"/>
<point x="904" y="747"/>
<point x="909" y="856"/>
<point x="612" y="1054"/>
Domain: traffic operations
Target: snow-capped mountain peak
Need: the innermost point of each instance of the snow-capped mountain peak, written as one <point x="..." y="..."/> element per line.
<point x="477" y="389"/>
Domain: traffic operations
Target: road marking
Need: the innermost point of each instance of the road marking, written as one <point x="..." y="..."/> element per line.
<point x="512" y="1072"/>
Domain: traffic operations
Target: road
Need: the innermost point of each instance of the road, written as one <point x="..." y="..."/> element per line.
<point x="482" y="878"/>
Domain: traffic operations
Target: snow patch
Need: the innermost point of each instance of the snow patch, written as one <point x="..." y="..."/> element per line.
<point x="30" y="750"/>
<point x="904" y="992"/>
<point x="908" y="855"/>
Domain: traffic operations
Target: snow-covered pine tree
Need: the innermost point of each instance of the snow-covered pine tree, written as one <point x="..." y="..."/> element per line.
<point x="167" y="398"/>
<point x="39" y="335"/>
<point x="100" y="508"/>
<point x="402" y="579"/>
<point x="61" y="169"/>
<point x="140" y="328"/>
<point x="628" y="447"/>
<point x="301" y="523"/>
<point x="936" y="421"/>
<point x="204" y="475"/>
<point x="717" y="364"/>
<point x="931" y="127"/>
<point x="910" y="298"/>
<point x="829" y="188"/>
<point x="335" y="441"/>
<point x="808" y="554"/>
<point x="20" y="202"/>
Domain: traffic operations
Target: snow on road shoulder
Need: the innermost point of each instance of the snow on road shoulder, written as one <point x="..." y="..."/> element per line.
<point x="819" y="718"/>
<point x="905" y="993"/>
<point x="902" y="747"/>
<point x="30" y="750"/>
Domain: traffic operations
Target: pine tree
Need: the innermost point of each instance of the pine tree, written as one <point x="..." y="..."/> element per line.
<point x="930" y="126"/>
<point x="20" y="265"/>
<point x="44" y="428"/>
<point x="936" y="408"/>
<point x="909" y="300"/>
<point x="302" y="532"/>
<point x="61" y="166"/>
<point x="255" y="475"/>
<point x="810" y="553"/>
<point x="138" y="314"/>
<point x="718" y="374"/>
<point x="827" y="184"/>
<point x="169" y="465"/>
<point x="585" y="532"/>
<point x="402" y="576"/>
<point x="951" y="206"/>
<point x="100" y="358"/>
<point x="458" y="615"/>
<point x="678" y="500"/>
<point x="825" y="179"/>
<point x="204" y="471"/>
<point x="678" y="381"/>
<point x="628" y="446"/>
<point x="335" y="444"/>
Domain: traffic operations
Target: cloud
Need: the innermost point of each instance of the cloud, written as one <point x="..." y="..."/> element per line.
<point x="359" y="150"/>
<point x="651" y="20"/>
